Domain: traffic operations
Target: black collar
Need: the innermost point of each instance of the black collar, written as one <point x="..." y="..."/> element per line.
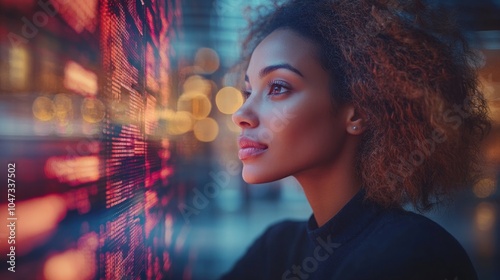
<point x="347" y="223"/>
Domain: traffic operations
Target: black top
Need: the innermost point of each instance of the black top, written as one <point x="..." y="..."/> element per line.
<point x="363" y="241"/>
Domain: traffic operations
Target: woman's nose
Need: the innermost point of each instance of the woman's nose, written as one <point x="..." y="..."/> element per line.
<point x="245" y="117"/>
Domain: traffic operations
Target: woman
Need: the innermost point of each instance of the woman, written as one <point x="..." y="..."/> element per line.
<point x="369" y="104"/>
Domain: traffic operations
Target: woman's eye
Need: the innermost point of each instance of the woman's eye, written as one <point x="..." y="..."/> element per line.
<point x="278" y="88"/>
<point x="245" y="94"/>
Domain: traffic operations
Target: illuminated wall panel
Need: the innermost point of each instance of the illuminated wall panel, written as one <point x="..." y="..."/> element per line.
<point x="79" y="99"/>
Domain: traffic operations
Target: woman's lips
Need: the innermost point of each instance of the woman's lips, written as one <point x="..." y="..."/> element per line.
<point x="246" y="153"/>
<point x="250" y="148"/>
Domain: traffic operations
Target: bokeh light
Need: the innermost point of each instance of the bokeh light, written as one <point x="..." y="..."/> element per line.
<point x="179" y="122"/>
<point x="72" y="264"/>
<point x="491" y="91"/>
<point x="206" y="130"/>
<point x="484" y="224"/>
<point x="37" y="218"/>
<point x="196" y="83"/>
<point x="43" y="108"/>
<point x="228" y="100"/>
<point x="79" y="79"/>
<point x="93" y="110"/>
<point x="207" y="59"/>
<point x="485" y="216"/>
<point x="484" y="188"/>
<point x="197" y="104"/>
<point x="73" y="170"/>
<point x="63" y="108"/>
<point x="19" y="65"/>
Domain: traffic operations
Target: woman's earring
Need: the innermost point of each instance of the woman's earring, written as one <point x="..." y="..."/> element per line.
<point x="354" y="128"/>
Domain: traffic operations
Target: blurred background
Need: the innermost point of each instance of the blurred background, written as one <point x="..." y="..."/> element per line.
<point x="117" y="117"/>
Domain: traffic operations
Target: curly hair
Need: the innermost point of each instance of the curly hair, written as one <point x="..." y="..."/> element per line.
<point x="406" y="66"/>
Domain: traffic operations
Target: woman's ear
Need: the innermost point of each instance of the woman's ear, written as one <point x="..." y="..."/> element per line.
<point x="356" y="121"/>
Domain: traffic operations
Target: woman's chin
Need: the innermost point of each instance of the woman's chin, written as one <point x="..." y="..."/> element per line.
<point x="253" y="178"/>
<point x="256" y="177"/>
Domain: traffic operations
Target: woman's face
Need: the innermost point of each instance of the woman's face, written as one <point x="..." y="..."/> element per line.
<point x="289" y="124"/>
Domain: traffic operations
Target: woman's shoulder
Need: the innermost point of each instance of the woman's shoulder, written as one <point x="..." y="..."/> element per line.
<point x="406" y="243"/>
<point x="286" y="226"/>
<point x="413" y="229"/>
<point x="284" y="231"/>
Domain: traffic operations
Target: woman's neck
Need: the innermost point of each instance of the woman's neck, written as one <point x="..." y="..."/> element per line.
<point x="329" y="188"/>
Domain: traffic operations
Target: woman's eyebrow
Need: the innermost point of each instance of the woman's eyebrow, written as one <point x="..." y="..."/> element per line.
<point x="272" y="68"/>
<point x="265" y="71"/>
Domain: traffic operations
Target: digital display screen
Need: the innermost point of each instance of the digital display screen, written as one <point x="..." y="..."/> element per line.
<point x="92" y="186"/>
